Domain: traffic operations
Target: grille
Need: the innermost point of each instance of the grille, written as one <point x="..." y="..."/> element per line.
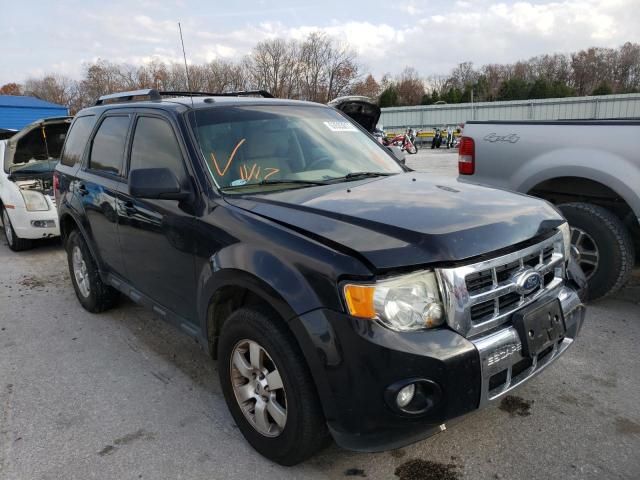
<point x="504" y="273"/>
<point x="480" y="280"/>
<point x="483" y="295"/>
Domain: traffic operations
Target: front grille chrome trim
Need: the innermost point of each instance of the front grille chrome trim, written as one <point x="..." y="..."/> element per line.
<point x="459" y="301"/>
<point x="501" y="351"/>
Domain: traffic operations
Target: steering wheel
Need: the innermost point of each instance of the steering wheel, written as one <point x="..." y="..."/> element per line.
<point x="321" y="162"/>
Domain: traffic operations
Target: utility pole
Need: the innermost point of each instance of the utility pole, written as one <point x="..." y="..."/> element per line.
<point x="473" y="112"/>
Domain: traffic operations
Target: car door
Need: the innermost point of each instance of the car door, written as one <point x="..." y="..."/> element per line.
<point x="98" y="188"/>
<point x="156" y="235"/>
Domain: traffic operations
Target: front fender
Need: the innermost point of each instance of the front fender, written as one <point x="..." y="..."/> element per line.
<point x="614" y="171"/>
<point x="272" y="278"/>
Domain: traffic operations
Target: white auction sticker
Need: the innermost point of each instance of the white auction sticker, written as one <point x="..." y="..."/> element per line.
<point x="341" y="126"/>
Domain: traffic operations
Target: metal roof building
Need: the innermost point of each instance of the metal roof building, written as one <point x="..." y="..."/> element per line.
<point x="17" y="112"/>
<point x="569" y="108"/>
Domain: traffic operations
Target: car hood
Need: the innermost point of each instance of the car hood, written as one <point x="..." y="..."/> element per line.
<point x="361" y="109"/>
<point x="12" y="143"/>
<point x="407" y="219"/>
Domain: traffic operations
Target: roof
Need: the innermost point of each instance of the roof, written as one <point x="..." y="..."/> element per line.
<point x="204" y="102"/>
<point x="21" y="101"/>
<point x="187" y="103"/>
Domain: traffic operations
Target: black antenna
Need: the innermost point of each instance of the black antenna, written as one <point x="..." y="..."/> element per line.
<point x="184" y="55"/>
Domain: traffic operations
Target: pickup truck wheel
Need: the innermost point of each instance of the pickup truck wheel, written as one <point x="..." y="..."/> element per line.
<point x="93" y="294"/>
<point x="268" y="388"/>
<point x="15" y="243"/>
<point x="601" y="245"/>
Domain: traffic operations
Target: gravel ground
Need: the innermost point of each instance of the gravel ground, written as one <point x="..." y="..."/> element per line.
<point x="121" y="395"/>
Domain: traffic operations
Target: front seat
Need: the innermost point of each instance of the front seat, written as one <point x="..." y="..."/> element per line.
<point x="266" y="154"/>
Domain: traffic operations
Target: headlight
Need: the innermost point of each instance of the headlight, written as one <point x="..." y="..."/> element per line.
<point x="409" y="302"/>
<point x="34" y="201"/>
<point x="566" y="239"/>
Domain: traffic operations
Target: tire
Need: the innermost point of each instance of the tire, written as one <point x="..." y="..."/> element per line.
<point x="15" y="243"/>
<point x="98" y="296"/>
<point x="304" y="430"/>
<point x="615" y="255"/>
<point x="413" y="149"/>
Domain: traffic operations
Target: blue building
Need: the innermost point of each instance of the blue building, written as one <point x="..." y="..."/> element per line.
<point x="18" y="111"/>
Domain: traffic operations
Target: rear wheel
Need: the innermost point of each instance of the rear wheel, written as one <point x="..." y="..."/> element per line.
<point x="15" y="243"/>
<point x="601" y="245"/>
<point x="93" y="294"/>
<point x="268" y="388"/>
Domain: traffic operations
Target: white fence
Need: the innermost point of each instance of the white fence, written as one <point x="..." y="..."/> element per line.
<point x="571" y="108"/>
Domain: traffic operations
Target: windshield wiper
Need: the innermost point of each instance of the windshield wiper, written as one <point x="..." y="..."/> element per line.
<point x="360" y="175"/>
<point x="283" y="181"/>
<point x="292" y="180"/>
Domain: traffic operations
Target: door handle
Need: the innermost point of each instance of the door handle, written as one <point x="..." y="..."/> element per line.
<point x="82" y="189"/>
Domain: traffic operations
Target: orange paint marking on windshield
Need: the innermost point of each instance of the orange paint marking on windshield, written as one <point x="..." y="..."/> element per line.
<point x="254" y="173"/>
<point x="272" y="172"/>
<point x="256" y="170"/>
<point x="223" y="172"/>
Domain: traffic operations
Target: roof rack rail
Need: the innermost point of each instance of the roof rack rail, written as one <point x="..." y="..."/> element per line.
<point x="241" y="93"/>
<point x="152" y="94"/>
<point x="133" y="95"/>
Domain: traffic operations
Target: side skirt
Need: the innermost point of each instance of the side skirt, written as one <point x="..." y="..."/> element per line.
<point x="160" y="310"/>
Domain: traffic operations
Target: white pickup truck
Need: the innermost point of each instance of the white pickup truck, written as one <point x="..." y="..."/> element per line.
<point x="589" y="169"/>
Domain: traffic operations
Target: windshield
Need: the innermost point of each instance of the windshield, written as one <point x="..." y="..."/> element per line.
<point x="255" y="146"/>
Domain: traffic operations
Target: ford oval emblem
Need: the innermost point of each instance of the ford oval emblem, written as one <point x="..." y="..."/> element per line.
<point x="527" y="281"/>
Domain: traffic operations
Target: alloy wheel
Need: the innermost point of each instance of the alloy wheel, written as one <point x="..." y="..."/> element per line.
<point x="80" y="271"/>
<point x="258" y="388"/>
<point x="585" y="251"/>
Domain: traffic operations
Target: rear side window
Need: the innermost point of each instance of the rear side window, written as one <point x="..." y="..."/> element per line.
<point x="76" y="140"/>
<point x="107" y="150"/>
<point x="156" y="146"/>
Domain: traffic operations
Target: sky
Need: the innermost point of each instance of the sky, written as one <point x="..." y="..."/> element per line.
<point x="39" y="37"/>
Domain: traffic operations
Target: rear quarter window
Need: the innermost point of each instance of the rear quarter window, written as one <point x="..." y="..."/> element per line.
<point x="77" y="140"/>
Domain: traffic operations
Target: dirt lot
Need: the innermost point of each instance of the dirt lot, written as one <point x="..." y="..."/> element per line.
<point x="121" y="395"/>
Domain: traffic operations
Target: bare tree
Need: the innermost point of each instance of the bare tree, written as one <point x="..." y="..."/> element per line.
<point x="410" y="87"/>
<point x="463" y="75"/>
<point x="271" y="64"/>
<point x="56" y="89"/>
<point x="367" y="87"/>
<point x="318" y="68"/>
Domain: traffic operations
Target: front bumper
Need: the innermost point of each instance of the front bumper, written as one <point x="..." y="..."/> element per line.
<point x="354" y="361"/>
<point x="504" y="367"/>
<point x="34" y="225"/>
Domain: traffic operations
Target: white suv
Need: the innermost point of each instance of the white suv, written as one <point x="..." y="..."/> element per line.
<point x="27" y="204"/>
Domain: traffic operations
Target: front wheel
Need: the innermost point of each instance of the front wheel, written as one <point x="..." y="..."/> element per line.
<point x="601" y="245"/>
<point x="268" y="388"/>
<point x="15" y="243"/>
<point x="412" y="148"/>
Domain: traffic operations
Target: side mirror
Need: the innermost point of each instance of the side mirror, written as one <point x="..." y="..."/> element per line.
<point x="398" y="153"/>
<point x="155" y="183"/>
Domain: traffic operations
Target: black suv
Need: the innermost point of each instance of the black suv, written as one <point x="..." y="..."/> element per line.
<point x="342" y="294"/>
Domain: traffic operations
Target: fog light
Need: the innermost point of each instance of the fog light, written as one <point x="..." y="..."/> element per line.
<point x="405" y="395"/>
<point x="43" y="223"/>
